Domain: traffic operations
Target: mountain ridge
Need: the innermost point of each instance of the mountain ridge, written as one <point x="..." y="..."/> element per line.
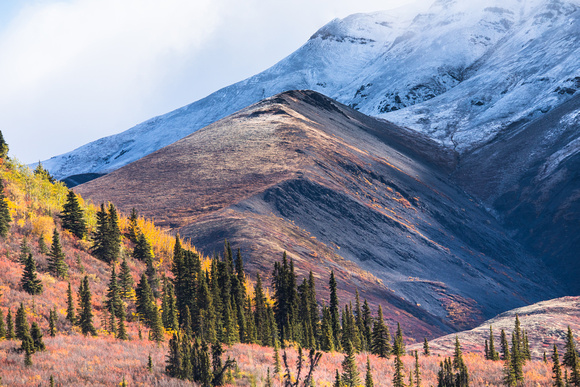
<point x="334" y="188"/>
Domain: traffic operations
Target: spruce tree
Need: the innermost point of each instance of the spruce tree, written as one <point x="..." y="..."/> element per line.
<point x="417" y="370"/>
<point x="556" y="369"/>
<point x="337" y="380"/>
<point x="121" y="329"/>
<point x="381" y="338"/>
<point x="399" y="344"/>
<point x="3" y="147"/>
<point x="126" y="282"/>
<point x="5" y="217"/>
<point x="367" y="323"/>
<point x="30" y="282"/>
<point x="36" y="335"/>
<point x="133" y="228"/>
<point x="369" y="376"/>
<point x="457" y="354"/>
<point x="169" y="307"/>
<point x="492" y="353"/>
<point x="2" y="327"/>
<point x="28" y="348"/>
<point x="426" y="351"/>
<point x="570" y="354"/>
<point x="113" y="299"/>
<point x="504" y="345"/>
<point x="350" y="374"/>
<point x="52" y="319"/>
<point x="326" y="336"/>
<point x="115" y="233"/>
<point x="21" y="323"/>
<point x="334" y="313"/>
<point x="10" y="334"/>
<point x="516" y="353"/>
<point x="70" y="310"/>
<point x="101" y="236"/>
<point x="261" y="314"/>
<point x="85" y="319"/>
<point x="398" y="375"/>
<point x="575" y="371"/>
<point x="24" y="251"/>
<point x="56" y="263"/>
<point x="174" y="359"/>
<point x="277" y="363"/>
<point x="509" y="377"/>
<point x="42" y="245"/>
<point x="206" y="375"/>
<point x="72" y="216"/>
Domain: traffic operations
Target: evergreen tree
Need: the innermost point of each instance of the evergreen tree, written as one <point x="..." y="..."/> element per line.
<point x="445" y="376"/>
<point x="30" y="282"/>
<point x="142" y="250"/>
<point x="72" y="216"/>
<point x="504" y="345"/>
<point x="516" y="352"/>
<point x="150" y="363"/>
<point x="169" y="307"/>
<point x="70" y="310"/>
<point x="369" y="376"/>
<point x="42" y="245"/>
<point x="570" y="354"/>
<point x="492" y="353"/>
<point x="217" y="366"/>
<point x="268" y="379"/>
<point x="113" y="301"/>
<point x="206" y="375"/>
<point x="56" y="263"/>
<point x="5" y="217"/>
<point x="426" y="351"/>
<point x="556" y="369"/>
<point x="133" y="228"/>
<point x="115" y="233"/>
<point x="107" y="237"/>
<point x="52" y="319"/>
<point x="85" y="319"/>
<point x="126" y="281"/>
<point x="277" y="364"/>
<point x="285" y="298"/>
<point x="575" y="371"/>
<point x="24" y="251"/>
<point x="41" y="172"/>
<point x="3" y="147"/>
<point x="263" y="333"/>
<point x="326" y="336"/>
<point x="337" y="380"/>
<point x="526" y="354"/>
<point x="152" y="277"/>
<point x="457" y="354"/>
<point x="367" y="323"/>
<point x="21" y="323"/>
<point x="36" y="335"/>
<point x="381" y="338"/>
<point x="121" y="329"/>
<point x="399" y="344"/>
<point x="28" y="348"/>
<point x="398" y="376"/>
<point x="2" y="327"/>
<point x="417" y="370"/>
<point x="334" y="317"/>
<point x="350" y="375"/>
<point x="509" y="377"/>
<point x="10" y="334"/>
<point x="174" y="359"/>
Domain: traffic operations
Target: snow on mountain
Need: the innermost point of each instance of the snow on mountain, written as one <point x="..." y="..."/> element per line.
<point x="459" y="72"/>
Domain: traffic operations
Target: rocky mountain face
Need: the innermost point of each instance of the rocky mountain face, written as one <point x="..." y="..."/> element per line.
<point x="339" y="191"/>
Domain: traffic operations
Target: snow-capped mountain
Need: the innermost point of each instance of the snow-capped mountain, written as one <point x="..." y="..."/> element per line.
<point x="460" y="73"/>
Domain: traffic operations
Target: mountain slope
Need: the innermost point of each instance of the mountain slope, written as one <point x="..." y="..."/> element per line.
<point x="338" y="190"/>
<point x="545" y="322"/>
<point x="460" y="72"/>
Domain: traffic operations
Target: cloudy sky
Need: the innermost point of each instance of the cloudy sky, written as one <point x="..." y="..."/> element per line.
<point x="72" y="71"/>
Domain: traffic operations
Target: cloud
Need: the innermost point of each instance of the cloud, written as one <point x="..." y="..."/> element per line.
<point x="72" y="71"/>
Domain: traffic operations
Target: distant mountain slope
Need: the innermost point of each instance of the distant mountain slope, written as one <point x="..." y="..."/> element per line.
<point x="338" y="190"/>
<point x="545" y="322"/>
<point x="461" y="73"/>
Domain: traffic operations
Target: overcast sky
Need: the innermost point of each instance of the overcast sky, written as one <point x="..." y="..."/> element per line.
<point x="72" y="71"/>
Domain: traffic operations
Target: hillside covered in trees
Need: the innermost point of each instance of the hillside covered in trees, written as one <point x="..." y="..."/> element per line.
<point x="90" y="296"/>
